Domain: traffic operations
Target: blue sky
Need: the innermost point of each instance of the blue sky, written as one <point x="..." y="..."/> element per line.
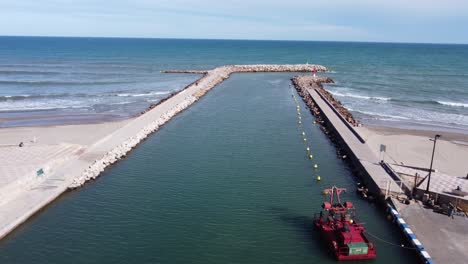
<point x="337" y="20"/>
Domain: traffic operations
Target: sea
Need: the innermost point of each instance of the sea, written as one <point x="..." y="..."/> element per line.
<point x="51" y="80"/>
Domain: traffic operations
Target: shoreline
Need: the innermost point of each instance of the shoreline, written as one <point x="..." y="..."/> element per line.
<point x="389" y="130"/>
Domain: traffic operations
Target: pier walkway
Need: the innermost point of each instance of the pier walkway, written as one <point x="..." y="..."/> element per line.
<point x="355" y="144"/>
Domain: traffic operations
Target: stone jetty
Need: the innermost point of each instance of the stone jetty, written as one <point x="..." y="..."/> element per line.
<point x="196" y="89"/>
<point x="340" y="125"/>
<point x="302" y="83"/>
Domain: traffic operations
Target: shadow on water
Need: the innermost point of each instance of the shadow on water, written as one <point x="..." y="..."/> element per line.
<point x="304" y="225"/>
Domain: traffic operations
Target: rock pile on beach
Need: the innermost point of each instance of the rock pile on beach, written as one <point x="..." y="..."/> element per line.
<point x="311" y="82"/>
<point x="209" y="80"/>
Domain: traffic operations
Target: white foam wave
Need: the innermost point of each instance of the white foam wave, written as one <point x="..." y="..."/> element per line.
<point x="142" y="94"/>
<point x="38" y="107"/>
<point x="12" y="96"/>
<point x="383" y="115"/>
<point x="378" y="98"/>
<point x="30" y="105"/>
<point x="455" y="104"/>
<point x="121" y="103"/>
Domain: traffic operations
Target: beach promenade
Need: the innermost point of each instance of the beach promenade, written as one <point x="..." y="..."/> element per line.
<point x="72" y="165"/>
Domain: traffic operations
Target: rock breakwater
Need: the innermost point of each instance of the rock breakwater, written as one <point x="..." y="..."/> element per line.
<point x="112" y="156"/>
<point x="310" y="82"/>
<point x="192" y="93"/>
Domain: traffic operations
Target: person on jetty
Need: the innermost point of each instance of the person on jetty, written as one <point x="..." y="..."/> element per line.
<point x="451" y="210"/>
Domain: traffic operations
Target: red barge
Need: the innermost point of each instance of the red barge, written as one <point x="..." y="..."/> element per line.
<point x="343" y="235"/>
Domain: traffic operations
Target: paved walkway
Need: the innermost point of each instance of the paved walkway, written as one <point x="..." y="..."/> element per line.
<point x="445" y="239"/>
<point x="366" y="157"/>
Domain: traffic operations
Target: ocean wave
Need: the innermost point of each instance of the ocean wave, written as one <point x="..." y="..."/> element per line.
<point x="382" y="115"/>
<point x="82" y="95"/>
<point x="19" y="97"/>
<point x="18" y="72"/>
<point x="43" y="83"/>
<point x="121" y="103"/>
<point x="418" y="116"/>
<point x="378" y="98"/>
<point x="142" y="94"/>
<point x="454" y="104"/>
<point x="39" y="107"/>
<point x="40" y="96"/>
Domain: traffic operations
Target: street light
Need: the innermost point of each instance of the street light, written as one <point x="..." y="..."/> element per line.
<point x="432" y="160"/>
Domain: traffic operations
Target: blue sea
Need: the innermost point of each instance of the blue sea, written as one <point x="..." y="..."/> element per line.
<point x="49" y="80"/>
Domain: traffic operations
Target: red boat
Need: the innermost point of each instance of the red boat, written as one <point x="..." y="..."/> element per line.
<point x="344" y="236"/>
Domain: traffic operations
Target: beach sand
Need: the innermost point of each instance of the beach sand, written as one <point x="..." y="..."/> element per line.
<point x="81" y="134"/>
<point x="413" y="148"/>
<point x="46" y="149"/>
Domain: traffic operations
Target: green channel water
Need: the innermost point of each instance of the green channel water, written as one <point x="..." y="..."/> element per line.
<point x="226" y="181"/>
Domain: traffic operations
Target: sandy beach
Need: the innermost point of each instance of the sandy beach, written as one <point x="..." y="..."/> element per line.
<point x="413" y="148"/>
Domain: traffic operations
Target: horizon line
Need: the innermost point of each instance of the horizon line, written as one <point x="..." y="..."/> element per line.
<point x="234" y="39"/>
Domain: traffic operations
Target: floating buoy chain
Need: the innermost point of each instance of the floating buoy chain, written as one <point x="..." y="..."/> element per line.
<point x="304" y="136"/>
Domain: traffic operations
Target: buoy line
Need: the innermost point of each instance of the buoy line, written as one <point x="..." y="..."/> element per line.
<point x="304" y="136"/>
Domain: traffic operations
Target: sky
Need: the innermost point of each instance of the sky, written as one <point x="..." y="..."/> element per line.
<point x="421" y="21"/>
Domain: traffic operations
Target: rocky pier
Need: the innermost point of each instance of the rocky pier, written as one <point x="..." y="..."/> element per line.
<point x="186" y="97"/>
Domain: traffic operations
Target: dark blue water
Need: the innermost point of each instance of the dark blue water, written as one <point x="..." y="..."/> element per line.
<point x="226" y="181"/>
<point x="421" y="84"/>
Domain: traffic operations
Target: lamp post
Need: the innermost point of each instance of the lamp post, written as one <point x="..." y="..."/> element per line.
<point x="432" y="160"/>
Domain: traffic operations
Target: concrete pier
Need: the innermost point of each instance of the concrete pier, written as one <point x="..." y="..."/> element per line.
<point x="343" y="125"/>
<point x="92" y="161"/>
<point x="437" y="238"/>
